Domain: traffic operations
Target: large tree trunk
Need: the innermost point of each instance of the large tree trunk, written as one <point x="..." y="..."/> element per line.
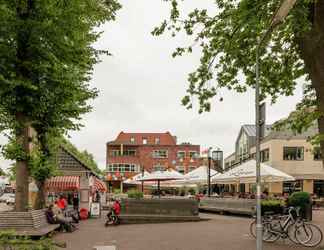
<point x="22" y="132"/>
<point x="312" y="52"/>
<point x="22" y="173"/>
<point x="40" y="199"/>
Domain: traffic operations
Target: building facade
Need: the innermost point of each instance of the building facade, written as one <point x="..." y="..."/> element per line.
<point x="131" y="153"/>
<point x="293" y="154"/>
<point x="243" y="144"/>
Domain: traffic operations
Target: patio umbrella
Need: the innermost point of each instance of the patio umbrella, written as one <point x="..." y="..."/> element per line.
<point x="198" y="176"/>
<point x="246" y="173"/>
<point x="159" y="176"/>
<point x="135" y="180"/>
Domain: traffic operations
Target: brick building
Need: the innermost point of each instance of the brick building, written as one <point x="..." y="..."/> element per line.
<point x="130" y="153"/>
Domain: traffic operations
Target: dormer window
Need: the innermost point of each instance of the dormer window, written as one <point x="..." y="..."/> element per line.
<point x="144" y="141"/>
<point x="132" y="140"/>
<point x="157" y="140"/>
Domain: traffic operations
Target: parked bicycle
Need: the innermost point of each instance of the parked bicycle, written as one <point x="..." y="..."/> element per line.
<point x="290" y="226"/>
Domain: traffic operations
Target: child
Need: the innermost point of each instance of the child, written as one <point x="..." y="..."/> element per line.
<point x="115" y="209"/>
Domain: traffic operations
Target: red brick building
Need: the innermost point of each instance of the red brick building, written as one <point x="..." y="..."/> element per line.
<point x="130" y="153"/>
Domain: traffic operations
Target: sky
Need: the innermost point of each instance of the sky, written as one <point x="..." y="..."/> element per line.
<point x="141" y="87"/>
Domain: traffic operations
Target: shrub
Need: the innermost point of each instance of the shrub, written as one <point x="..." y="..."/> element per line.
<point x="117" y="191"/>
<point x="192" y="191"/>
<point x="8" y="240"/>
<point x="299" y="199"/>
<point x="274" y="206"/>
<point x="133" y="193"/>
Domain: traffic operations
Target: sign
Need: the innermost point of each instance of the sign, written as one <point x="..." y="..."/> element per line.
<point x="95" y="209"/>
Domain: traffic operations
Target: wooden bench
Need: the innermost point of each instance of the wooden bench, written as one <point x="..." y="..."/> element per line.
<point x="30" y="223"/>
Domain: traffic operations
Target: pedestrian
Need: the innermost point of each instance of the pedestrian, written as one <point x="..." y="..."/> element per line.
<point x="75" y="202"/>
<point x="62" y="203"/>
<point x="97" y="197"/>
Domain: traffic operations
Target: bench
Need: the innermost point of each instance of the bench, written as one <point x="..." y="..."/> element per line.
<point x="229" y="205"/>
<point x="30" y="223"/>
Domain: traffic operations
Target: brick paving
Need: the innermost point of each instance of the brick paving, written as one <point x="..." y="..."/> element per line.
<point x="218" y="233"/>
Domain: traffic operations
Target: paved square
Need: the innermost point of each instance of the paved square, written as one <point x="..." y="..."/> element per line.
<point x="218" y="233"/>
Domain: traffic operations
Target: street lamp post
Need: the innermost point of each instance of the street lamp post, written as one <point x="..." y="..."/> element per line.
<point x="208" y="173"/>
<point x="279" y="16"/>
<point x="142" y="170"/>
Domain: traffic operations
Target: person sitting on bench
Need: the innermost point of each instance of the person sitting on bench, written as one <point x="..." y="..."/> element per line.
<point x="52" y="218"/>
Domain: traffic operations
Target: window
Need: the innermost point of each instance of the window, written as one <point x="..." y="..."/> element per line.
<point x="317" y="154"/>
<point x="158" y="167"/>
<point x="193" y="155"/>
<point x="180" y="169"/>
<point x="293" y="153"/>
<point x="132" y="140"/>
<point x="115" y="153"/>
<point x="121" y="167"/>
<point x="181" y="154"/>
<point x="129" y="152"/>
<point x="264" y="155"/>
<point x="157" y="140"/>
<point x="144" y="141"/>
<point x="160" y="153"/>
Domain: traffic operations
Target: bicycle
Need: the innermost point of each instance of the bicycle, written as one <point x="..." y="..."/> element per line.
<point x="290" y="226"/>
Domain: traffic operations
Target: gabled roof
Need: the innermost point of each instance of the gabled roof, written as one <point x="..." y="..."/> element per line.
<point x="288" y="134"/>
<point x="67" y="159"/>
<point x="251" y="131"/>
<point x="125" y="138"/>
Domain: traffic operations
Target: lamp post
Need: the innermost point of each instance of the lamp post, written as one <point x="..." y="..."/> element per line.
<point x="208" y="172"/>
<point x="279" y="16"/>
<point x="142" y="170"/>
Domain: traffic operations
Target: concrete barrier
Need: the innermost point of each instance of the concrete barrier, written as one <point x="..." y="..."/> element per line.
<point x="158" y="210"/>
<point x="230" y="205"/>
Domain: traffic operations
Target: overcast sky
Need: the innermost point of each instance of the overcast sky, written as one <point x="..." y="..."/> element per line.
<point x="141" y="87"/>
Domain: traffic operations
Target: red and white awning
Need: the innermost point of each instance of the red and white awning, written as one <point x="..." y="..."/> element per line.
<point x="100" y="185"/>
<point x="63" y="183"/>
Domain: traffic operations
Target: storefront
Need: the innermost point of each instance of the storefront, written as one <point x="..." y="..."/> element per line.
<point x="77" y="181"/>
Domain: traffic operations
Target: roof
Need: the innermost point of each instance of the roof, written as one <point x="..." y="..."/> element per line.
<point x="251" y="131"/>
<point x="125" y="138"/>
<point x="66" y="159"/>
<point x="288" y="134"/>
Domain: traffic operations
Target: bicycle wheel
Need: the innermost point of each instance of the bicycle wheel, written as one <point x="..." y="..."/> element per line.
<point x="267" y="234"/>
<point x="308" y="235"/>
<point x="291" y="232"/>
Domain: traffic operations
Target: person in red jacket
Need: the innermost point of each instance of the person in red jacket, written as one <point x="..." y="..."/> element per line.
<point x="116" y="207"/>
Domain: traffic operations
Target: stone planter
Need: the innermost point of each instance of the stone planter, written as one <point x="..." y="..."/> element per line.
<point x="158" y="210"/>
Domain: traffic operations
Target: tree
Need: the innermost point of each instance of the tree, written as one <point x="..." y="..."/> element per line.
<point x="46" y="61"/>
<point x="228" y="40"/>
<point x="2" y="172"/>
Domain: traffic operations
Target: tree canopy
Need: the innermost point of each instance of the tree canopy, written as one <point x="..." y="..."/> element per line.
<point x="47" y="57"/>
<point x="228" y="40"/>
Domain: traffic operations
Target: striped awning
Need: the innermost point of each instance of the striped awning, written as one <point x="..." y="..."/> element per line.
<point x="100" y="185"/>
<point x="63" y="183"/>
